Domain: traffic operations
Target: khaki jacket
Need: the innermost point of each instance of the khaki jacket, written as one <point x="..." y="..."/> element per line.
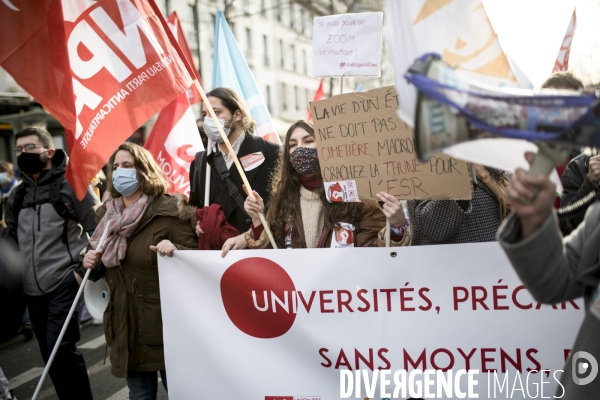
<point x="133" y="319"/>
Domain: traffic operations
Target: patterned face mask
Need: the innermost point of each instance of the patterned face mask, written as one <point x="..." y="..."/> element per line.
<point x="304" y="160"/>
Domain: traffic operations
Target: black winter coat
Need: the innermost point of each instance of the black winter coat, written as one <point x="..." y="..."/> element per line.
<point x="258" y="178"/>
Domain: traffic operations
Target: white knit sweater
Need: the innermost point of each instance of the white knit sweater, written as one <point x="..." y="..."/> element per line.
<point x="312" y="216"/>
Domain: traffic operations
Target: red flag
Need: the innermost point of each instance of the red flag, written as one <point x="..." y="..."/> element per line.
<point x="319" y="94"/>
<point x="174" y="141"/>
<point x="102" y="68"/>
<point x="562" y="61"/>
<point x="175" y="25"/>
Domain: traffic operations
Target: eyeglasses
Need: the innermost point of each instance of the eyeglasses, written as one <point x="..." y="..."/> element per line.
<point x="28" y="148"/>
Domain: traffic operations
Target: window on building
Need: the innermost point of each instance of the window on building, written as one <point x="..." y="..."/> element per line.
<point x="248" y="45"/>
<point x="283" y="97"/>
<point x="308" y="98"/>
<point x="263" y="8"/>
<point x="281" y="54"/>
<point x="279" y="10"/>
<point x="302" y="22"/>
<point x="304" y="62"/>
<point x="293" y="51"/>
<point x="212" y="34"/>
<point x="269" y="99"/>
<point x="292" y="9"/>
<point x="297" y="97"/>
<point x="266" y="50"/>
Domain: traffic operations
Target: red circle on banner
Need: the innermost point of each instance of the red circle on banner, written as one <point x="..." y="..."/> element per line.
<point x="250" y="288"/>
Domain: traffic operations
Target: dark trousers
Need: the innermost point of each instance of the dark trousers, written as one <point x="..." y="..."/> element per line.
<point x="48" y="313"/>
<point x="144" y="385"/>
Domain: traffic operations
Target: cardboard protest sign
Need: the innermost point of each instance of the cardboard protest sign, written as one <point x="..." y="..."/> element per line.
<point x="347" y="45"/>
<point x="361" y="138"/>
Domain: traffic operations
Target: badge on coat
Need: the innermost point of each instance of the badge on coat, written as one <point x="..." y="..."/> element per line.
<point x="341" y="192"/>
<point x="252" y="160"/>
<point x="343" y="236"/>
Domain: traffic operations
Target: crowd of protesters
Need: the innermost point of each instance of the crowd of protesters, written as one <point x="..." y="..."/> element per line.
<point x="58" y="235"/>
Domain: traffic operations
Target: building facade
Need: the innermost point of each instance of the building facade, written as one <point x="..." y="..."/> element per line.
<point x="275" y="37"/>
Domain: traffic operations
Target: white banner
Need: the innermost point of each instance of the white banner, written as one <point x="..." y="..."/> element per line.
<point x="347" y="44"/>
<point x="299" y="324"/>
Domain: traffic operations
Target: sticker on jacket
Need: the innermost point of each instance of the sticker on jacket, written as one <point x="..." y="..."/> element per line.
<point x="343" y="236"/>
<point x="252" y="161"/>
<point x="341" y="192"/>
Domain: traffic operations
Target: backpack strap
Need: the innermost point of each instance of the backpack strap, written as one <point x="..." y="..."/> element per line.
<point x="18" y="202"/>
<point x="223" y="172"/>
<point x="61" y="208"/>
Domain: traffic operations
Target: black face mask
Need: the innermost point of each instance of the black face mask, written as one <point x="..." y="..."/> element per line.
<point x="31" y="163"/>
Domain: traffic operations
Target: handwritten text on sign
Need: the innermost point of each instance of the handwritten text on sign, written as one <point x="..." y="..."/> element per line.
<point x="347" y="45"/>
<point x="361" y="138"/>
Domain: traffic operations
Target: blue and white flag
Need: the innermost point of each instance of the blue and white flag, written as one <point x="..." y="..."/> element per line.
<point x="231" y="70"/>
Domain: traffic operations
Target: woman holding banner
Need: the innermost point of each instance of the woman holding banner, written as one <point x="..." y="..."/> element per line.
<point x="300" y="215"/>
<point x="141" y="217"/>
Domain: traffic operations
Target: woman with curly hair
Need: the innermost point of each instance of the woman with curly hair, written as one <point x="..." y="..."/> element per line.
<point x="299" y="214"/>
<point x="140" y="217"/>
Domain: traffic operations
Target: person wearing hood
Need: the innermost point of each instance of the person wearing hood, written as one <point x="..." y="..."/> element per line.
<point x="51" y="227"/>
<point x="257" y="156"/>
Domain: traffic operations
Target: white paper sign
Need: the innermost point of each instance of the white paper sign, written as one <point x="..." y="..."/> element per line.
<point x="286" y="324"/>
<point x="347" y="45"/>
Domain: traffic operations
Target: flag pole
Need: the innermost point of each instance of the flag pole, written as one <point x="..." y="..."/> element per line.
<point x="388" y="234"/>
<point x="235" y="159"/>
<point x="69" y="316"/>
<point x="207" y="184"/>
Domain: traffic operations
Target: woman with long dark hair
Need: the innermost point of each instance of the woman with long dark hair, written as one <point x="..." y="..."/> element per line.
<point x="300" y="215"/>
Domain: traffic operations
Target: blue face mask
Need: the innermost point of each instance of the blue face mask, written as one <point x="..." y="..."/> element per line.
<point x="124" y="180"/>
<point x="4" y="178"/>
